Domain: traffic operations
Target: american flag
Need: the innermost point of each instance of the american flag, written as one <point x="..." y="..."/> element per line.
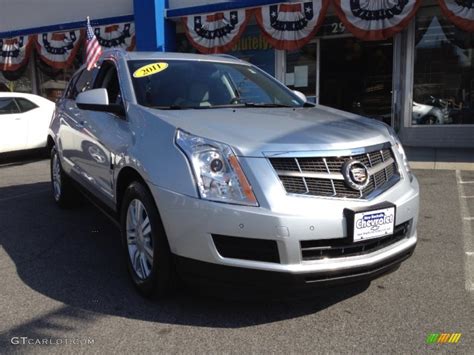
<point x="93" y="48"/>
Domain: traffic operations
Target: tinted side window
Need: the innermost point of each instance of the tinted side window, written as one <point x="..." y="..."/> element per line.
<point x="8" y="106"/>
<point x="25" y="105"/>
<point x="68" y="93"/>
<point x="107" y="78"/>
<point x="80" y="84"/>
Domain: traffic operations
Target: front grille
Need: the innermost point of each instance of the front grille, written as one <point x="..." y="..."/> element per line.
<point x="247" y="248"/>
<point x="338" y="248"/>
<point x="322" y="176"/>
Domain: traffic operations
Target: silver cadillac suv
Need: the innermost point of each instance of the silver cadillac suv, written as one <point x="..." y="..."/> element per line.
<point x="217" y="172"/>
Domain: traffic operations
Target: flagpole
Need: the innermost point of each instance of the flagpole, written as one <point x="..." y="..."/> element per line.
<point x="85" y="52"/>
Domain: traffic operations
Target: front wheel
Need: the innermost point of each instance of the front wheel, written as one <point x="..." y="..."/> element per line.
<point x="146" y="246"/>
<point x="62" y="189"/>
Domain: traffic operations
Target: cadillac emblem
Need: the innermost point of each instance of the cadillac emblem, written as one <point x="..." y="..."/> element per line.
<point x="356" y="174"/>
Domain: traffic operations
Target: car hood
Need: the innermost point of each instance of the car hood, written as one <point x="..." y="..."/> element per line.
<point x="256" y="132"/>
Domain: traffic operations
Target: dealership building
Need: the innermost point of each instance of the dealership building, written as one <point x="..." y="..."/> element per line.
<point x="408" y="63"/>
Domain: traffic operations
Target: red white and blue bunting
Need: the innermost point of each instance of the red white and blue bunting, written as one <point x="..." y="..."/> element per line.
<point x="58" y="49"/>
<point x="460" y="12"/>
<point x="15" y="52"/>
<point x="291" y="25"/>
<point x="371" y="20"/>
<point x="121" y="35"/>
<point x="217" y="32"/>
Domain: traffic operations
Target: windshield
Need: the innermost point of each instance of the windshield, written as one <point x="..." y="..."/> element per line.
<point x="184" y="84"/>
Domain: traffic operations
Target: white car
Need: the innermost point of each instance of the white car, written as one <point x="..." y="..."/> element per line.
<point x="24" y="121"/>
<point x="427" y="114"/>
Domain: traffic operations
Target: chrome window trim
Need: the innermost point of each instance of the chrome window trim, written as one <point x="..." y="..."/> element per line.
<point x="327" y="153"/>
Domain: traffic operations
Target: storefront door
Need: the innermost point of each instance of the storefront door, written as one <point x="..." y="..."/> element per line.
<point x="340" y="71"/>
<point x="356" y="76"/>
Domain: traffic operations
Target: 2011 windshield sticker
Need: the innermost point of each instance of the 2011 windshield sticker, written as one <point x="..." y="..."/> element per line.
<point x="150" y="69"/>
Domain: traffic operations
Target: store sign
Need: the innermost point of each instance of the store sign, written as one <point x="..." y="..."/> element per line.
<point x="217" y="32"/>
<point x="332" y="26"/>
<point x="376" y="20"/>
<point x="252" y="43"/>
<point x="291" y="25"/>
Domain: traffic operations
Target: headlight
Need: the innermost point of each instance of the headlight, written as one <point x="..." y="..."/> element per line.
<point x="218" y="174"/>
<point x="401" y="151"/>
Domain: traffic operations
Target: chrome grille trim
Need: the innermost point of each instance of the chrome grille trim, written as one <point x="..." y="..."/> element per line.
<point x="329" y="172"/>
<point x="322" y="176"/>
<point x="304" y="180"/>
<point x="329" y="175"/>
<point x="332" y="176"/>
<point x="381" y="167"/>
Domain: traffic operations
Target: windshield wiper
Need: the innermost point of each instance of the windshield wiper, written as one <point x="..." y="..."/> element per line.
<point x="243" y="104"/>
<point x="178" y="107"/>
<point x="255" y="104"/>
<point x="170" y="107"/>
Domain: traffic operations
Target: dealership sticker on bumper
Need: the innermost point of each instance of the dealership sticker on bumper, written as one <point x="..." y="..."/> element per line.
<point x="373" y="224"/>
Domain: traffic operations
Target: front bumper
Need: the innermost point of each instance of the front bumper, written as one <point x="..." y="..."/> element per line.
<point x="199" y="272"/>
<point x="191" y="223"/>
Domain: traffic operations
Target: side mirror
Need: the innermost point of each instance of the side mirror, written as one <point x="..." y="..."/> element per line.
<point x="300" y="95"/>
<point x="98" y="100"/>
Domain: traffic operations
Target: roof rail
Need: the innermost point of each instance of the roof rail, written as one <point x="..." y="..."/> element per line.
<point x="223" y="55"/>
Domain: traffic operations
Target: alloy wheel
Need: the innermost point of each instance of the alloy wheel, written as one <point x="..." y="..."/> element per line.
<point x="56" y="175"/>
<point x="139" y="239"/>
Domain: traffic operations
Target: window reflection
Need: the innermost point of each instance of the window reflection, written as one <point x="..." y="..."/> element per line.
<point x="356" y="76"/>
<point x="443" y="91"/>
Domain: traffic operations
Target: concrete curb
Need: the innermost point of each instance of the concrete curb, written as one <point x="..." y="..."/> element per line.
<point x="440" y="158"/>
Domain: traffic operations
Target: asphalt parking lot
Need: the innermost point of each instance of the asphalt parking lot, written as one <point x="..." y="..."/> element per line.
<point x="62" y="277"/>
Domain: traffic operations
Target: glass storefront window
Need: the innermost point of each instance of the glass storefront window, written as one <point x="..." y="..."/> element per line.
<point x="356" y="76"/>
<point x="443" y="90"/>
<point x="301" y="70"/>
<point x="254" y="48"/>
<point x="18" y="81"/>
<point x="52" y="82"/>
<point x="344" y="73"/>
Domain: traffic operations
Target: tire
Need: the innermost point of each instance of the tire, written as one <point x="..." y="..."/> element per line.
<point x="62" y="189"/>
<point x="149" y="259"/>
